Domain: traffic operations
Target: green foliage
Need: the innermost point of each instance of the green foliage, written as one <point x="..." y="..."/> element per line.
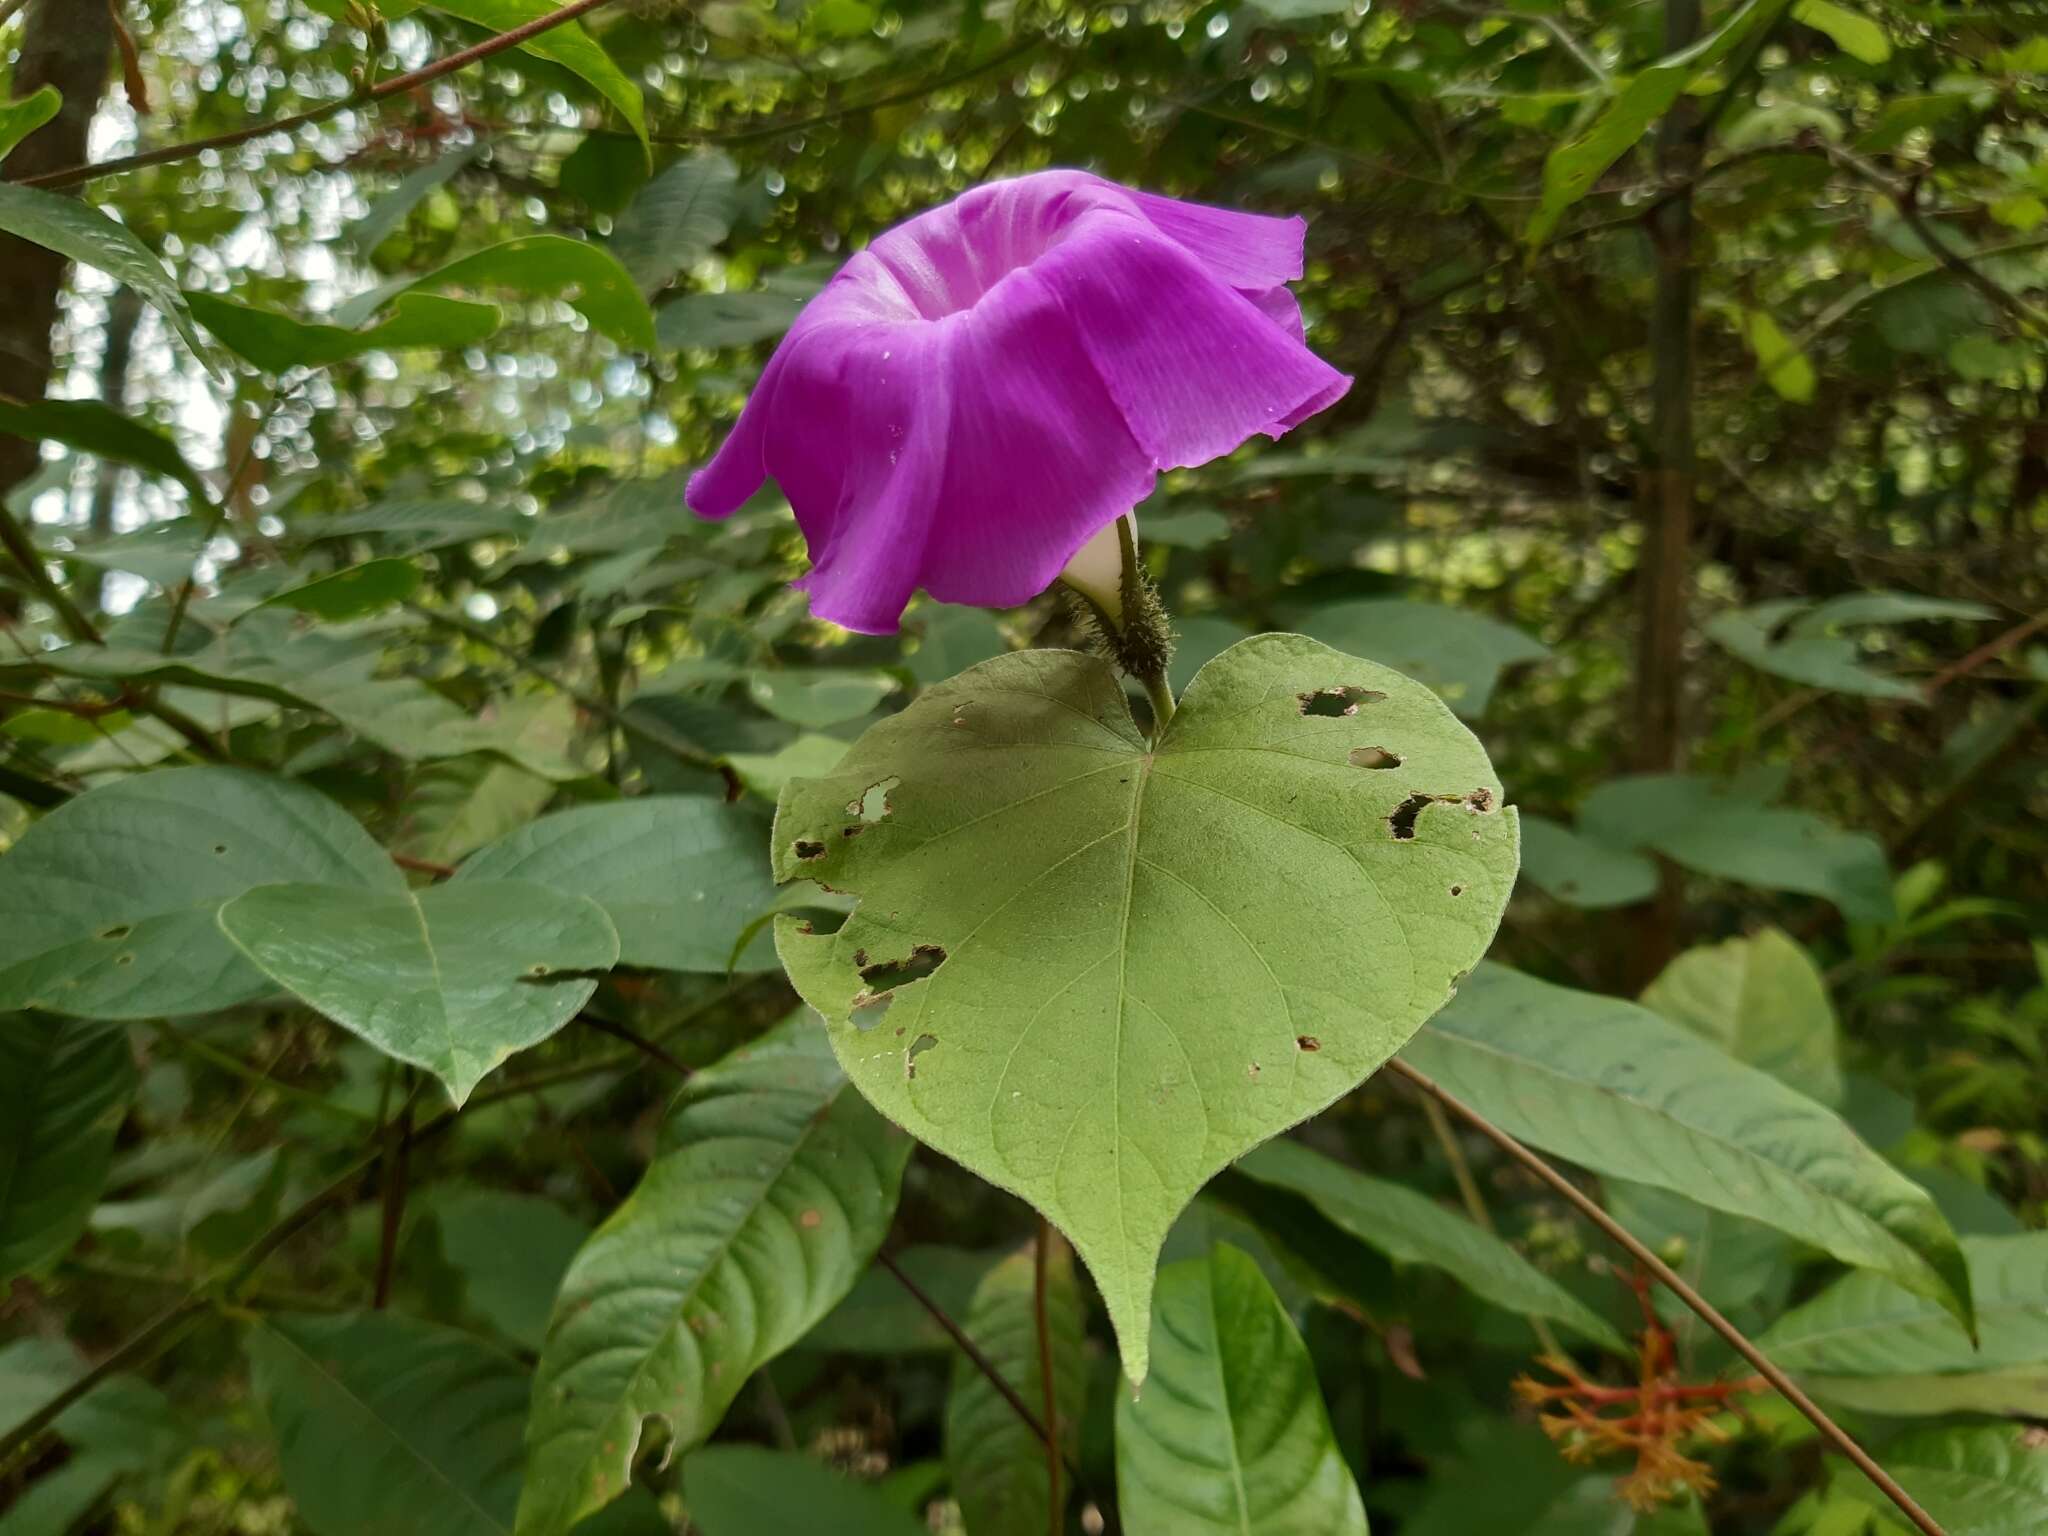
<point x="353" y="612"/>
<point x="1129" y="1022"/>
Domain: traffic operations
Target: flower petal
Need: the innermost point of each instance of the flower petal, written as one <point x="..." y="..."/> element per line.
<point x="1246" y="250"/>
<point x="1196" y="366"/>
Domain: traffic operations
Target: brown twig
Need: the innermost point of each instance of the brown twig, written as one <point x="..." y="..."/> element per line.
<point x="1669" y="1278"/>
<point x="396" y="85"/>
<point x="397" y="1163"/>
<point x="1041" y="1257"/>
<point x="639" y="1042"/>
<point x="971" y="1350"/>
<point x="1990" y="650"/>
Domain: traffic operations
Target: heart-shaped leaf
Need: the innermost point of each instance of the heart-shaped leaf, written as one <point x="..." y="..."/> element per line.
<point x="1095" y="971"/>
<point x="1233" y="1438"/>
<point x="108" y="902"/>
<point x="454" y="978"/>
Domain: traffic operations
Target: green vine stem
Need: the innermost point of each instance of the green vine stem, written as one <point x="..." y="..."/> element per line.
<point x="1669" y="1278"/>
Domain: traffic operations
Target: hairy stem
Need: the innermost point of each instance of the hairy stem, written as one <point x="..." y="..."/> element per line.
<point x="1669" y="1278"/>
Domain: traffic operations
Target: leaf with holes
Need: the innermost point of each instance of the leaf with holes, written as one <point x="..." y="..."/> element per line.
<point x="389" y="1424"/>
<point x="1868" y="1344"/>
<point x="1096" y="971"/>
<point x="1000" y="1477"/>
<point x="64" y="1086"/>
<point x="453" y="978"/>
<point x="773" y="1186"/>
<point x="1458" y="653"/>
<point x="1616" y="1089"/>
<point x="681" y="876"/>
<point x="1231" y="1438"/>
<point x="109" y="901"/>
<point x="1410" y="1228"/>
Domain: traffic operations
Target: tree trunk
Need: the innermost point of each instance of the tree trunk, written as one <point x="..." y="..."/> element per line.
<point x="1668" y="489"/>
<point x="65" y="43"/>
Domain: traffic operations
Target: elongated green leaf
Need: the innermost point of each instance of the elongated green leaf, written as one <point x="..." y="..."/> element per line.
<point x="773" y="1187"/>
<point x="1459" y="654"/>
<point x="1872" y="1345"/>
<point x="677" y="219"/>
<point x="392" y="208"/>
<point x="421" y="525"/>
<point x="1572" y="169"/>
<point x="1815" y="651"/>
<point x="744" y="1490"/>
<point x="64" y="1086"/>
<point x="85" y="235"/>
<point x="1167" y="953"/>
<point x="93" y="428"/>
<point x="1230" y="1437"/>
<point x="587" y="277"/>
<point x="19" y="119"/>
<point x="1785" y="368"/>
<point x="1981" y="1480"/>
<point x="569" y="45"/>
<point x="454" y="978"/>
<point x="717" y="320"/>
<point x="109" y="901"/>
<point x="1764" y="1002"/>
<point x="389" y="1424"/>
<point x="1718" y="830"/>
<point x="1615" y="1088"/>
<point x="351" y="593"/>
<point x="1853" y="32"/>
<point x="680" y="875"/>
<point x="1000" y="1478"/>
<point x="277" y="343"/>
<point x="1581" y="871"/>
<point x="819" y="697"/>
<point x="1412" y="1229"/>
<point x="511" y="1251"/>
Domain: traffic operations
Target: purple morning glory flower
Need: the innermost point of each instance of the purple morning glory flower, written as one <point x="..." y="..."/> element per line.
<point x="989" y="384"/>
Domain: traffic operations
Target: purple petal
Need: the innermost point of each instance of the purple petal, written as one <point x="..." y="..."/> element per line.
<point x="1196" y="366"/>
<point x="991" y="383"/>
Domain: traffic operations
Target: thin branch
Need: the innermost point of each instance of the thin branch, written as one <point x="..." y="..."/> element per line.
<point x="396" y="85"/>
<point x="654" y="735"/>
<point x="639" y="1042"/>
<point x="1830" y="1431"/>
<point x="1041" y="1256"/>
<point x="971" y="1350"/>
<point x="1905" y="196"/>
<point x="1990" y="650"/>
<point x="397" y="1165"/>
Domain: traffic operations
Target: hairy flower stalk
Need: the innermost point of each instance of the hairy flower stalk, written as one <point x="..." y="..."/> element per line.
<point x="994" y="384"/>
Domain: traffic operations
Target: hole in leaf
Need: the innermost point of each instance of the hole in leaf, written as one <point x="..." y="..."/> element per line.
<point x="1402" y="821"/>
<point x="1334" y="703"/>
<point x="124" y="959"/>
<point x="804" y="848"/>
<point x="536" y="969"/>
<point x="220" y="847"/>
<point x="885" y="975"/>
<point x="118" y="931"/>
<point x="1308" y="1042"/>
<point x="1480" y="801"/>
<point x="917" y="1048"/>
<point x="873" y="803"/>
<point x="1374" y="757"/>
<point x="1457" y="890"/>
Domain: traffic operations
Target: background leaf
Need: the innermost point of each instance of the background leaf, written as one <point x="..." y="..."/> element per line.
<point x="1232" y="1436"/>
<point x="64" y="1087"/>
<point x="110" y="900"/>
<point x="774" y="1185"/>
<point x="454" y="978"/>
<point x="743" y="1490"/>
